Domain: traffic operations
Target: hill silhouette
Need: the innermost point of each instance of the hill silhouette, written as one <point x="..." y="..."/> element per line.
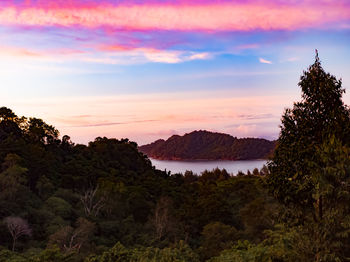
<point x="205" y="145"/>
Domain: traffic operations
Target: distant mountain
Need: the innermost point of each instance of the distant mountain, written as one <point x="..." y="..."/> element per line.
<point x="205" y="145"/>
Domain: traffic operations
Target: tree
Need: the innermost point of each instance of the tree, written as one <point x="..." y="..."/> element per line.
<point x="72" y="239"/>
<point x="309" y="171"/>
<point x="9" y="123"/>
<point x="161" y="219"/>
<point x="119" y="253"/>
<point x="91" y="202"/>
<point x="17" y="227"/>
<point x="13" y="191"/>
<point x="320" y="114"/>
<point x="216" y="237"/>
<point x="12" y="178"/>
<point x="39" y="131"/>
<point x="59" y="207"/>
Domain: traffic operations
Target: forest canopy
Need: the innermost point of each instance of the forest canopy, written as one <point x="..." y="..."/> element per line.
<point x="106" y="202"/>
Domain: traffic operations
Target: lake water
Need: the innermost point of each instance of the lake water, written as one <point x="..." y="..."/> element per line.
<point x="198" y="167"/>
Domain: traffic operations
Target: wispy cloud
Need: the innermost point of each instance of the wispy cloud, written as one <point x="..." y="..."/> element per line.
<point x="103" y="55"/>
<point x="256" y="116"/>
<point x="144" y="55"/>
<point x="292" y="59"/>
<point x="170" y="57"/>
<point x="264" y="61"/>
<point x="199" y="56"/>
<point x="99" y="124"/>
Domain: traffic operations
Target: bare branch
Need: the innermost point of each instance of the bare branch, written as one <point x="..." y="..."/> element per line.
<point x="91" y="202"/>
<point x="17" y="227"/>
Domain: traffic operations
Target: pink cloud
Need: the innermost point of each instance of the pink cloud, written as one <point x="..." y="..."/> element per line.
<point x="219" y="16"/>
<point x="114" y="48"/>
<point x="264" y="61"/>
<point x="103" y="54"/>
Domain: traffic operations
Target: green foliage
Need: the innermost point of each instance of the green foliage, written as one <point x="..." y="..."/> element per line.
<point x="13" y="178"/>
<point x="8" y="256"/>
<point x="216" y="237"/>
<point x="52" y="255"/>
<point x="59" y="206"/>
<point x="48" y="255"/>
<point x="179" y="253"/>
<point x="244" y="252"/>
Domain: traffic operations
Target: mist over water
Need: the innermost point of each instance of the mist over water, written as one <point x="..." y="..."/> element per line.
<point x="232" y="167"/>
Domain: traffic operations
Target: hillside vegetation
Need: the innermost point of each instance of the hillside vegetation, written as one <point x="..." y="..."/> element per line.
<point x="200" y="145"/>
<point x="103" y="200"/>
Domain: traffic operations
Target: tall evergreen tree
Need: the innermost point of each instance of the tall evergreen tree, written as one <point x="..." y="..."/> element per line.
<point x="319" y="115"/>
<point x="309" y="172"/>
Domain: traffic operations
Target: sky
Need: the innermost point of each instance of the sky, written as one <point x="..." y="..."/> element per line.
<point x="146" y="70"/>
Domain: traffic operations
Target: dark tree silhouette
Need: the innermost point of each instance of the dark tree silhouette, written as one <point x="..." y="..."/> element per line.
<point x="320" y="115"/>
<point x="310" y="167"/>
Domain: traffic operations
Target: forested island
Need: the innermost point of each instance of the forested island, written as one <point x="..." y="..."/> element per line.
<point x="205" y="145"/>
<point x="105" y="202"/>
